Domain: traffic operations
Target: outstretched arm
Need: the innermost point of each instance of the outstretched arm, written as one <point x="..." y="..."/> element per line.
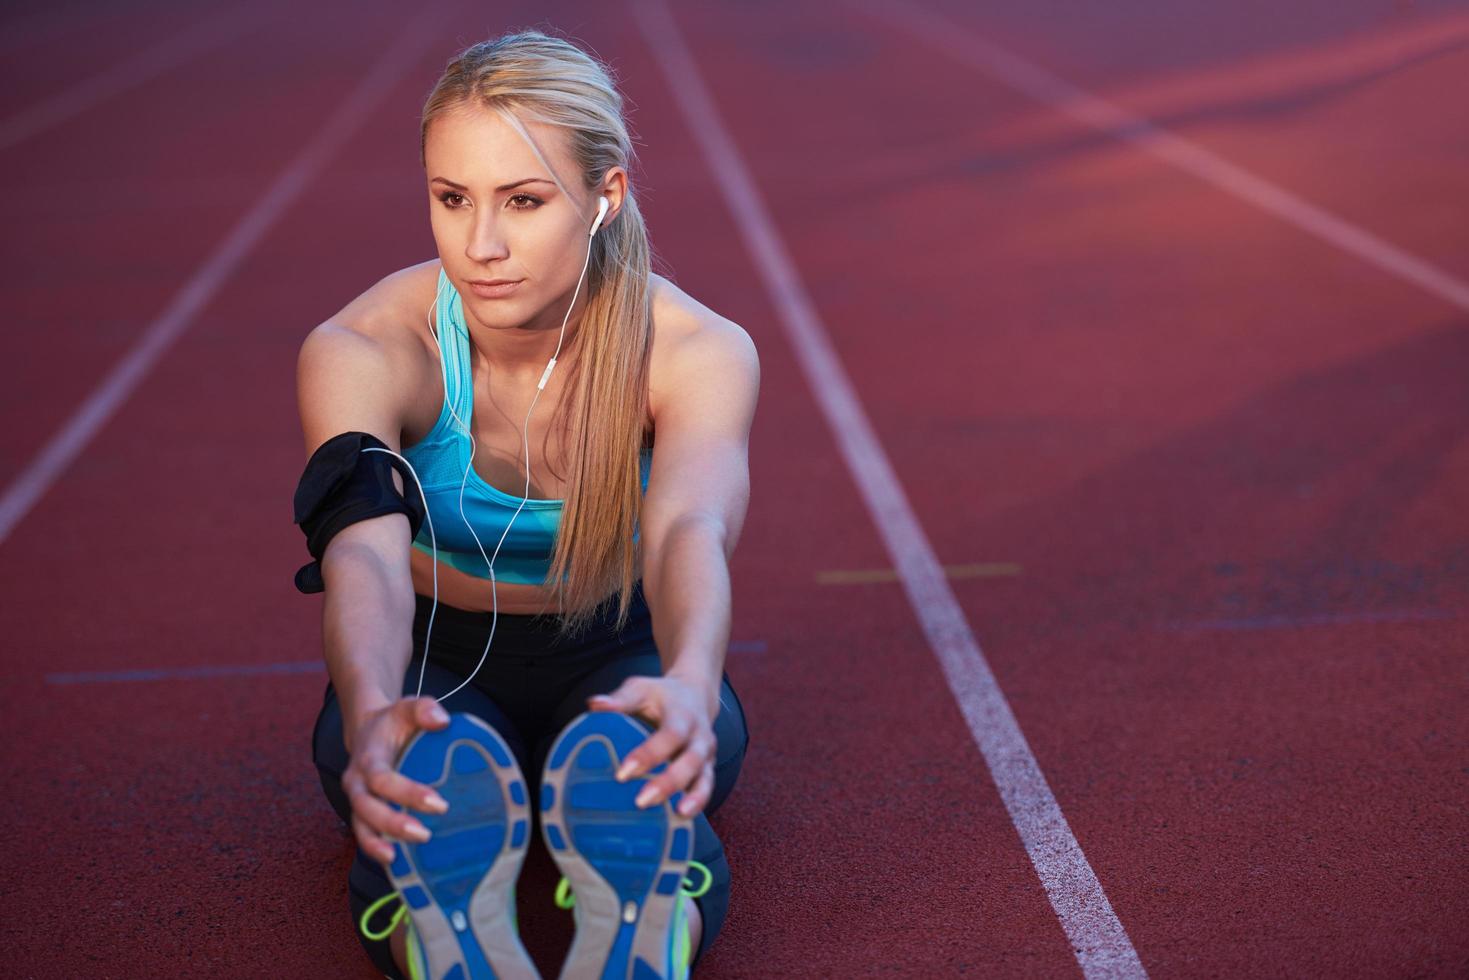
<point x="698" y="492"/>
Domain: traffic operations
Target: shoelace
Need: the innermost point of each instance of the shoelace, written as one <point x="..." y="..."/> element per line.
<point x="565" y="899"/>
<point x="414" y="973"/>
<point x="371" y="910"/>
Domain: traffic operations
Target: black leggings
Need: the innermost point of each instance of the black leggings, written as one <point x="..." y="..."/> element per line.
<point x="528" y="688"/>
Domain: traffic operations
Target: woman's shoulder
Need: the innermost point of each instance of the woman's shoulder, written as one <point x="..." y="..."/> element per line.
<point x="680" y="322"/>
<point x="368" y="364"/>
<point x="394" y="310"/>
<point x="675" y="312"/>
<point x="390" y="318"/>
<point x="679" y="317"/>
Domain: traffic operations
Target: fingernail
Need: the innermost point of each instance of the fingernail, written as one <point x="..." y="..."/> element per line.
<point x="439" y="714"/>
<point x="418" y="832"/>
<point x="626" y="771"/>
<point x="436" y="803"/>
<point x="646" y="796"/>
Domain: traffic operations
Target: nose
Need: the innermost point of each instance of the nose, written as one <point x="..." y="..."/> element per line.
<point x="486" y="243"/>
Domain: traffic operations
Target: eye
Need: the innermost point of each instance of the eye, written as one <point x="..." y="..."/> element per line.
<point x="448" y="194"/>
<point x="535" y="202"/>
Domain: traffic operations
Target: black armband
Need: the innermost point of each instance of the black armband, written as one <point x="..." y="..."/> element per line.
<point x="345" y="483"/>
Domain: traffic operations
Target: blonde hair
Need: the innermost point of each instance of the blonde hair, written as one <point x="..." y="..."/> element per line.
<point x="550" y="80"/>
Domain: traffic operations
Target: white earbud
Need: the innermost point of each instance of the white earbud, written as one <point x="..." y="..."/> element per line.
<point x="602" y="207"/>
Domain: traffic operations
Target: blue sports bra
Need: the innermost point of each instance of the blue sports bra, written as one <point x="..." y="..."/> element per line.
<point x="440" y="458"/>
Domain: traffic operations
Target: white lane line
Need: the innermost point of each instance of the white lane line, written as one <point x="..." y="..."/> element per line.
<point x="148" y="64"/>
<point x="1100" y="943"/>
<point x="1030" y="79"/>
<point x="94" y="413"/>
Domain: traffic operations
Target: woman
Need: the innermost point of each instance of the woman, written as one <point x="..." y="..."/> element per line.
<point x="606" y="595"/>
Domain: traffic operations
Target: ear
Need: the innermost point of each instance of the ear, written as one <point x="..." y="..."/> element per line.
<point x="614" y="188"/>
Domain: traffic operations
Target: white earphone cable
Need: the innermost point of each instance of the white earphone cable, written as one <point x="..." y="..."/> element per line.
<point x="433" y="543"/>
<point x="525" y="434"/>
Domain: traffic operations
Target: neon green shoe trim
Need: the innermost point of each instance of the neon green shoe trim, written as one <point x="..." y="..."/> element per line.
<point x="417" y="958"/>
<point x="683" y="952"/>
<point x="368" y="913"/>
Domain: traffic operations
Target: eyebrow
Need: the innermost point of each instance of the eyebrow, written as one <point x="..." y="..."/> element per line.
<point x="502" y="187"/>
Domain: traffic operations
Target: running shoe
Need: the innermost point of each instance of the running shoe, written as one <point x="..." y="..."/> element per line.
<point x="625" y="864"/>
<point x="682" y="954"/>
<point x="418" y="968"/>
<point x="458" y="887"/>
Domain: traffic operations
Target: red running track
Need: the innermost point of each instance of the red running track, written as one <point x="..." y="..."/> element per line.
<point x="1197" y="473"/>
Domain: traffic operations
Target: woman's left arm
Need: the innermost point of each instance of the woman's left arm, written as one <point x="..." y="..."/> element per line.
<point x="693" y="511"/>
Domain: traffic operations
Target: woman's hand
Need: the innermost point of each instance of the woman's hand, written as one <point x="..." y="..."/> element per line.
<point x="685" y="734"/>
<point x="370" y="778"/>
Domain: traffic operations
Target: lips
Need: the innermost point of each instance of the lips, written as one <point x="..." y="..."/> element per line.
<point x="494" y="289"/>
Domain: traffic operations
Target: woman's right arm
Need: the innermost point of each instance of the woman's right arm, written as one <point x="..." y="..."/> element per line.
<point x="347" y="380"/>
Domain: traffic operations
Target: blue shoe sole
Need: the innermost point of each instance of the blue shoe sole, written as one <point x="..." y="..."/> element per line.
<point x="458" y="885"/>
<point x="625" y="864"/>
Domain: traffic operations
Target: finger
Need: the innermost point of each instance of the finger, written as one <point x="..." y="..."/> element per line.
<point x="425" y="712"/>
<point x="385" y="820"/>
<point x="389" y="785"/>
<point x="627" y="696"/>
<point x="656" y="748"/>
<point x="371" y="842"/>
<point x="680" y="774"/>
<point x="696" y="799"/>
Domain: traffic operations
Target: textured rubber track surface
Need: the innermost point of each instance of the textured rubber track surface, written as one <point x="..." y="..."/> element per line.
<point x="1196" y="476"/>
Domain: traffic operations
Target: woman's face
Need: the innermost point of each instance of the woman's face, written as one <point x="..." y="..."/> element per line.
<point x="487" y="229"/>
